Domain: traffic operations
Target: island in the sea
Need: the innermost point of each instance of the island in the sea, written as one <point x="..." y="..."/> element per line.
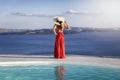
<point x="73" y="30"/>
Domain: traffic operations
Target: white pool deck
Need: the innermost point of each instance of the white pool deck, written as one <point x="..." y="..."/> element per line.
<point x="18" y="60"/>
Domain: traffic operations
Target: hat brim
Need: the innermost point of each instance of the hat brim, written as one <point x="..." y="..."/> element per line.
<point x="59" y="19"/>
<point x="56" y="23"/>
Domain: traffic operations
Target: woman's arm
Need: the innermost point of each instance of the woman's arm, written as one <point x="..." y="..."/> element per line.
<point x="66" y="25"/>
<point x="54" y="29"/>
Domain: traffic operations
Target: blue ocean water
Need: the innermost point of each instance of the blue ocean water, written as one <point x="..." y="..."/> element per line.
<point x="59" y="72"/>
<point x="84" y="43"/>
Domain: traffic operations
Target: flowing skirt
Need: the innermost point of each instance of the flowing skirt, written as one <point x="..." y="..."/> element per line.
<point x="59" y="49"/>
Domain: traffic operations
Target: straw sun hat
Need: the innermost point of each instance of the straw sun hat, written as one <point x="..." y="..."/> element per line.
<point x="59" y="20"/>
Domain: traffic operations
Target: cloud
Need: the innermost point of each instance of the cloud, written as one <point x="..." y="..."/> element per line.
<point x="52" y="15"/>
<point x="34" y="15"/>
<point x="81" y="13"/>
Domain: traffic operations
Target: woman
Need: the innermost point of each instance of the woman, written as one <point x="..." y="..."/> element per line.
<point x="59" y="48"/>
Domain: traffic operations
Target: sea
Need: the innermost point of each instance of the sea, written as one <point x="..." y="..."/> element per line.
<point x="104" y="44"/>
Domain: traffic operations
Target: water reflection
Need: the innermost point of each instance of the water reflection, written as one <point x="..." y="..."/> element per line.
<point x="59" y="72"/>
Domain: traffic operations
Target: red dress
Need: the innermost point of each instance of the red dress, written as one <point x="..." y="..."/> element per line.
<point x="59" y="49"/>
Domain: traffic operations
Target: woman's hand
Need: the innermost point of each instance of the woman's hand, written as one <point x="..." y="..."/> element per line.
<point x="55" y="33"/>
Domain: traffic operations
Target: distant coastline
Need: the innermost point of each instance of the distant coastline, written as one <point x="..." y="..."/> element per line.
<point x="73" y="30"/>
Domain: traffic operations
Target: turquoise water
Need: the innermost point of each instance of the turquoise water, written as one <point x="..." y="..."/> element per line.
<point x="58" y="72"/>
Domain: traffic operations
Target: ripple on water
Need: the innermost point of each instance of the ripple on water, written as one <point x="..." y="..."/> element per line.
<point x="59" y="72"/>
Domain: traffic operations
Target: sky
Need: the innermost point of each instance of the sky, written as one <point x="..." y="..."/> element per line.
<point x="37" y="14"/>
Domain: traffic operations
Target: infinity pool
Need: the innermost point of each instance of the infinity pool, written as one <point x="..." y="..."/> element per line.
<point x="59" y="72"/>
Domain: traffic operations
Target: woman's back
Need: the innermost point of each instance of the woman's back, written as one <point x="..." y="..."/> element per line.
<point x="59" y="28"/>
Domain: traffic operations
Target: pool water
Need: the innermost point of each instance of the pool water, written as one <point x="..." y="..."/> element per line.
<point x="59" y="72"/>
